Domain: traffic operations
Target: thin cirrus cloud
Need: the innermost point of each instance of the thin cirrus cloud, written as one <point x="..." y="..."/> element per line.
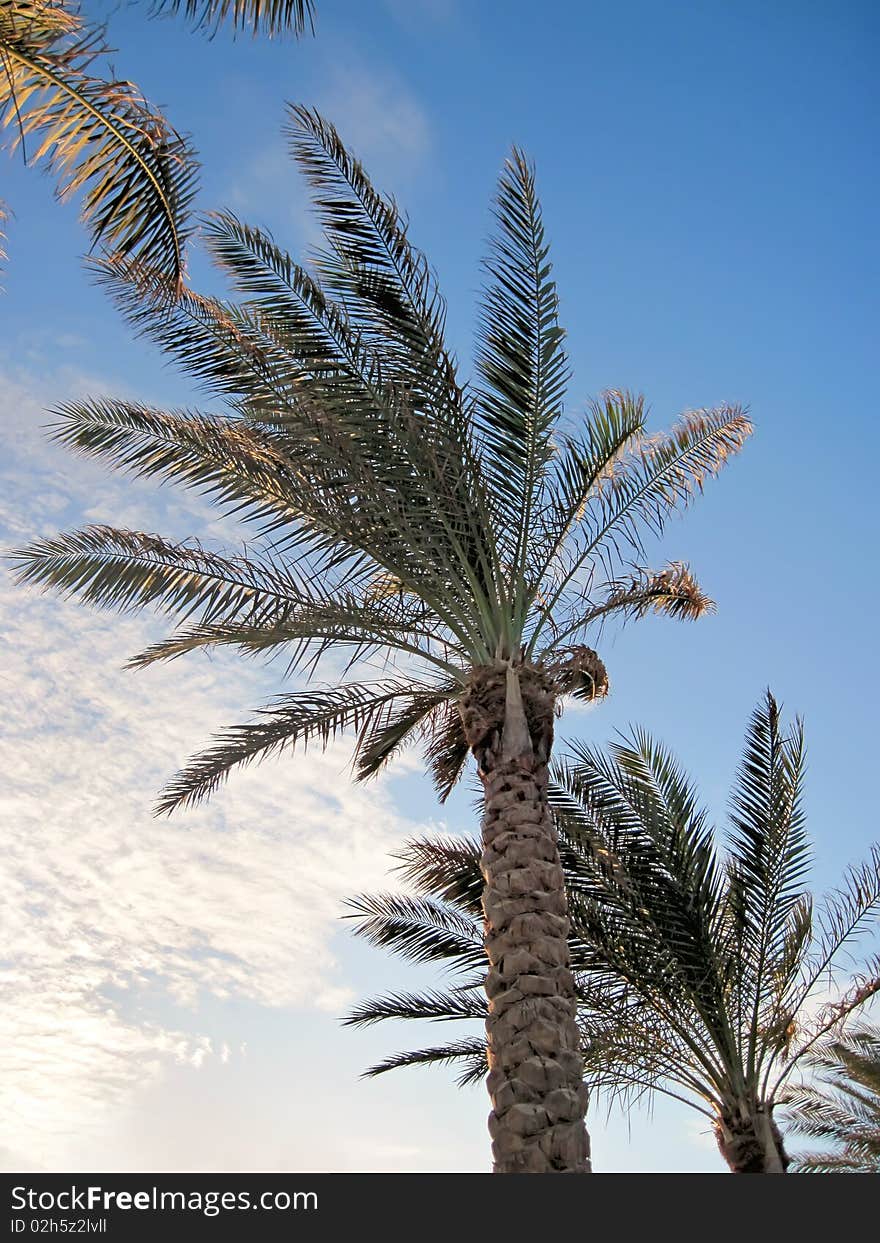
<point x="114" y="924"/>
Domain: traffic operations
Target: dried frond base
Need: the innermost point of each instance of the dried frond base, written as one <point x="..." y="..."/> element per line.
<point x="751" y="1145"/>
<point x="483" y="710"/>
<point x="583" y="674"/>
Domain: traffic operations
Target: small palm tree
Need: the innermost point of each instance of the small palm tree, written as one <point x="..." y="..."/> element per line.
<point x="100" y="136"/>
<point x="464" y="536"/>
<point x="842" y="1109"/>
<point x="696" y="974"/>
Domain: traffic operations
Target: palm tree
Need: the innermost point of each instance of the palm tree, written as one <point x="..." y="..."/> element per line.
<point x="697" y="975"/>
<point x="843" y="1108"/>
<point x="461" y="535"/>
<point x="100" y="136"/>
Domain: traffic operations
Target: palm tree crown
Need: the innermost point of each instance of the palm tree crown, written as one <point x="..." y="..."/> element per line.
<point x="400" y="512"/>
<point x="697" y="974"/>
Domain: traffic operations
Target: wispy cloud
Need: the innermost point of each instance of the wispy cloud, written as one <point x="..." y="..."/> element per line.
<point x="380" y="119"/>
<point x="113" y="921"/>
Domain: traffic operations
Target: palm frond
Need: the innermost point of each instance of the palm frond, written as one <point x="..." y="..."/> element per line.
<point x="130" y="570"/>
<point x="853" y="1061"/>
<point x="832" y="1016"/>
<point x="434" y="1006"/>
<point x="260" y="17"/>
<point x="447" y="751"/>
<point x="387" y="738"/>
<point x="468" y="1056"/>
<point x="290" y="306"/>
<point x="520" y="357"/>
<point x="419" y="929"/>
<point x="217" y="343"/>
<point x="643" y="810"/>
<point x="373" y="268"/>
<point x="638" y="493"/>
<point x="445" y="867"/>
<point x="614" y="423"/>
<point x="769" y="853"/>
<point x="240" y="466"/>
<point x="842" y="918"/>
<point x="288" y="721"/>
<point x="671" y="592"/>
<point x="337" y="622"/>
<point x="98" y="136"/>
<point x="841" y="1107"/>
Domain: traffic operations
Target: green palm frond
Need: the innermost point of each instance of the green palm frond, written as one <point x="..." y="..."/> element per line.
<point x="99" y="137"/>
<point x="260" y="17"/>
<point x="639" y="491"/>
<point x="768" y="843"/>
<point x="769" y="860"/>
<point x="820" y="1163"/>
<point x="419" y="929"/>
<point x="661" y="858"/>
<point x="372" y="267"/>
<point x="236" y="464"/>
<point x="446" y="750"/>
<point x="695" y="970"/>
<point x="520" y="357"/>
<point x="468" y="1057"/>
<point x="337" y="622"/>
<point x="216" y="342"/>
<point x="288" y="721"/>
<point x="130" y="570"/>
<point x="289" y="305"/>
<point x="841" y="1107"/>
<point x="253" y="605"/>
<point x="387" y="738"/>
<point x="434" y="1006"/>
<point x="614" y="425"/>
<point x="445" y="867"/>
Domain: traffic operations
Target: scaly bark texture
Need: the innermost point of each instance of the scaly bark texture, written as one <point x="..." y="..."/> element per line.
<point x="535" y="1079"/>
<point x="751" y="1142"/>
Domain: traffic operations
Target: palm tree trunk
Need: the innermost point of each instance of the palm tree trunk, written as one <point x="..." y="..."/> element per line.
<point x="750" y="1142"/>
<point x="535" y="1081"/>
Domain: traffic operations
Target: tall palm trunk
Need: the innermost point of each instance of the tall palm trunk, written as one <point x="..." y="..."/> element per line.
<point x="751" y="1142"/>
<point x="535" y="1081"/>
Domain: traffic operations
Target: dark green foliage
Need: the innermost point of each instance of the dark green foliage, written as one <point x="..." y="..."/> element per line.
<point x="399" y="513"/>
<point x="697" y="970"/>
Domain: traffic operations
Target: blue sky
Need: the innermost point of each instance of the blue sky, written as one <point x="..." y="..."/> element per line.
<point x="709" y="184"/>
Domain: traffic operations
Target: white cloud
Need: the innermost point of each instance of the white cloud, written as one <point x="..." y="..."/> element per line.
<point x="114" y="923"/>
